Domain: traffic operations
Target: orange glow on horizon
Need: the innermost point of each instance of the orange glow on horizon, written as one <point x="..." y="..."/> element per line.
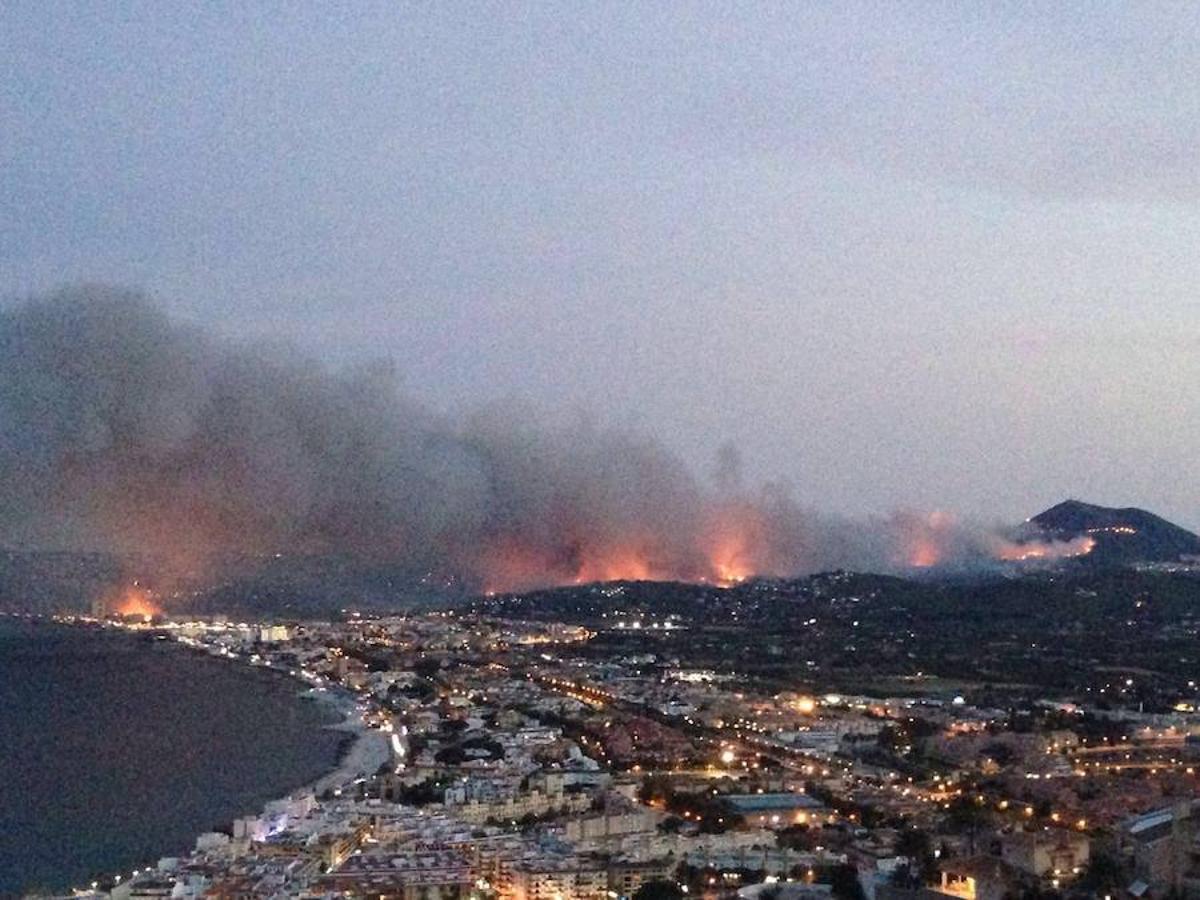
<point x="738" y="544"/>
<point x="621" y="565"/>
<point x="510" y="565"/>
<point x="924" y="539"/>
<point x="730" y="559"/>
<point x="134" y="601"/>
<point x="1033" y="550"/>
<point x="737" y="541"/>
<point x="923" y="554"/>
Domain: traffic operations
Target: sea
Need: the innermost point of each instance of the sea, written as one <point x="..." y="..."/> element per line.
<point x="117" y="749"/>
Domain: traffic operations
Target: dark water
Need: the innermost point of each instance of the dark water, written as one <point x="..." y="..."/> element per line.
<point x="116" y="750"/>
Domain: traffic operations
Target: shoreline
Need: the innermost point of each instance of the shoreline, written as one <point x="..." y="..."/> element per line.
<point x="359" y="755"/>
<point x="367" y="750"/>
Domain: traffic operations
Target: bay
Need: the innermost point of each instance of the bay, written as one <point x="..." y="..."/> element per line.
<point x="116" y="749"/>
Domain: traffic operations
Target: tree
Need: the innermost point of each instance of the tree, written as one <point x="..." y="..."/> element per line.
<point x="658" y="890"/>
<point x="965" y="816"/>
<point x="1102" y="875"/>
<point x="1001" y="753"/>
<point x="427" y="667"/>
<point x="654" y="787"/>
<point x="913" y="843"/>
<point x="670" y="825"/>
<point x="917" y="846"/>
<point x="905" y="876"/>
<point x="844" y="881"/>
<point x="796" y="837"/>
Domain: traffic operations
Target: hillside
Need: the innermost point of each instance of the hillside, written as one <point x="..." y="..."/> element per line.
<point x="1122" y="535"/>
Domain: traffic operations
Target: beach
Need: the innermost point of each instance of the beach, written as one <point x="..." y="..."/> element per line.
<point x="370" y="749"/>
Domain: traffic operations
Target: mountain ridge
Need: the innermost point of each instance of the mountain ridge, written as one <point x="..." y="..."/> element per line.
<point x="1122" y="535"/>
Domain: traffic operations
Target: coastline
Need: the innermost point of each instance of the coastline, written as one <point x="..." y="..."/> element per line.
<point x="358" y="758"/>
<point x="363" y="755"/>
<point x="359" y="755"/>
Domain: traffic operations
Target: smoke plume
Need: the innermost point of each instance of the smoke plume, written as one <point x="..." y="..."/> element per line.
<point x="124" y="430"/>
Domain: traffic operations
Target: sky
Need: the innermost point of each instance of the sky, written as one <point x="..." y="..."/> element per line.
<point x="903" y="255"/>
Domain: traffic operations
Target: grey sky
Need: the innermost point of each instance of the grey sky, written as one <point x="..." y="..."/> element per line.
<point x="902" y="254"/>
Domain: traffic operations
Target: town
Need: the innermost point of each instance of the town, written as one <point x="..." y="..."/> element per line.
<point x="611" y="753"/>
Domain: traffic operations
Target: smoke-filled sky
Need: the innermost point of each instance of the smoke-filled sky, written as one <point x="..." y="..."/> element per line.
<point x="903" y="255"/>
<point x="123" y="429"/>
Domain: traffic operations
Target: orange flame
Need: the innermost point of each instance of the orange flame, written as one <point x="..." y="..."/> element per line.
<point x="512" y="565"/>
<point x="736" y="544"/>
<point x="135" y="601"/>
<point x="1011" y="551"/>
<point x="734" y="541"/>
<point x="621" y="564"/>
<point x="731" y="543"/>
<point x="924" y="540"/>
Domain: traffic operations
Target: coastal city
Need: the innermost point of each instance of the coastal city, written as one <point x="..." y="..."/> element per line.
<point x="599" y="451"/>
<point x="590" y="756"/>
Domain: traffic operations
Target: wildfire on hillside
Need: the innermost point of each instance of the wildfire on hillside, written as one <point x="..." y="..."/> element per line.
<point x="734" y="545"/>
<point x="133" y="601"/>
<point x="923" y="541"/>
<point x="1028" y="551"/>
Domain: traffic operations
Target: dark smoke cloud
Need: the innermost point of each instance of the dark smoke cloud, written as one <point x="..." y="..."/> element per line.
<point x="123" y="430"/>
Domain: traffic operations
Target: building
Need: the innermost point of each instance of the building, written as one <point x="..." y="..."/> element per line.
<point x="1047" y="854"/>
<point x="442" y="875"/>
<point x="625" y="876"/>
<point x="1160" y="846"/>
<point x="546" y="877"/>
<point x="608" y="827"/>
<point x="776" y="810"/>
<point x="980" y="878"/>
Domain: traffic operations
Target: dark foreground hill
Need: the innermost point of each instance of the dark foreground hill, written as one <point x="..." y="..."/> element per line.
<point x="1114" y="635"/>
<point x="322" y="586"/>
<point x="1122" y="536"/>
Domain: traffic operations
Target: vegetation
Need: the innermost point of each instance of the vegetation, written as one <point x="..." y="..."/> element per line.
<point x="1064" y="631"/>
<point x="658" y="890"/>
<point x="708" y="811"/>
